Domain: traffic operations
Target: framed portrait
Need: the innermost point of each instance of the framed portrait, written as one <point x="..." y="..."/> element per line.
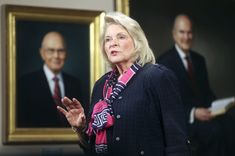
<point x="25" y="28"/>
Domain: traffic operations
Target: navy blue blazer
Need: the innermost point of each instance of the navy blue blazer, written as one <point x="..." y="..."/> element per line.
<point x="204" y="95"/>
<point x="149" y="118"/>
<point x="35" y="104"/>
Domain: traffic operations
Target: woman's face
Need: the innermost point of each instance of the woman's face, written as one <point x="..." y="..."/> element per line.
<point x="119" y="46"/>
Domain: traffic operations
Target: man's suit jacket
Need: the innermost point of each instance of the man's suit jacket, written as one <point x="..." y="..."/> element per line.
<point x="35" y="104"/>
<point x="148" y="115"/>
<point x="204" y="96"/>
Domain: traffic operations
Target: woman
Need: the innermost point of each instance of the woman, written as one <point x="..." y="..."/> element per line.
<point x="135" y="108"/>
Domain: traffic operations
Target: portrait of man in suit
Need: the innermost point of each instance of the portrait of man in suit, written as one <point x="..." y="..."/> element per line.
<point x="191" y="71"/>
<point x="39" y="92"/>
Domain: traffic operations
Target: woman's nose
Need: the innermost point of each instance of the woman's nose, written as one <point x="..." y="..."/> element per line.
<point x="113" y="42"/>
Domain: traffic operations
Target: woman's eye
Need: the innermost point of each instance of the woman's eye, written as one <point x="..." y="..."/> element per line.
<point x="121" y="37"/>
<point x="107" y="39"/>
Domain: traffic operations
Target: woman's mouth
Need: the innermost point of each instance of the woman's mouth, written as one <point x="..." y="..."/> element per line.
<point x="114" y="53"/>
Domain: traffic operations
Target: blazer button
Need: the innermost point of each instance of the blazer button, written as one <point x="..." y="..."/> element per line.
<point x="142" y="152"/>
<point x="117" y="139"/>
<point x="118" y="116"/>
<point x="120" y="97"/>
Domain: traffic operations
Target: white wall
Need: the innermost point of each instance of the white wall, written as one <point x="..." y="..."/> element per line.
<point x="59" y="149"/>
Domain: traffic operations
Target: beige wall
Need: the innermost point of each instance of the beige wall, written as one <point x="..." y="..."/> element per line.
<point x="65" y="149"/>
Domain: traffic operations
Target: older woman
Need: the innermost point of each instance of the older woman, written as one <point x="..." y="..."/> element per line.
<point x="135" y="108"/>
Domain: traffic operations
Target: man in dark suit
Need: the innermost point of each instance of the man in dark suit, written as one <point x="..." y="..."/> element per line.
<point x="190" y="69"/>
<point x="40" y="92"/>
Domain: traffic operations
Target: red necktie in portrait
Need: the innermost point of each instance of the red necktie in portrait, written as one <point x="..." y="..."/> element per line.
<point x="57" y="93"/>
<point x="57" y="99"/>
<point x="191" y="73"/>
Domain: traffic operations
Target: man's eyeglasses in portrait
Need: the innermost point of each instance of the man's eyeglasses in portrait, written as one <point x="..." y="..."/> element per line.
<point x="52" y="51"/>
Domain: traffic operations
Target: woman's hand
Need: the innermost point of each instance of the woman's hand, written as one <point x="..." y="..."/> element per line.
<point x="74" y="112"/>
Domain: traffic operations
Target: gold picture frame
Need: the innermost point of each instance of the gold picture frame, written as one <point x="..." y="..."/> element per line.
<point x="13" y="15"/>
<point x="122" y="6"/>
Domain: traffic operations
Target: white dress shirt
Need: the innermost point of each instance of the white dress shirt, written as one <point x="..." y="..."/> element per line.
<point x="50" y="75"/>
<point x="183" y="56"/>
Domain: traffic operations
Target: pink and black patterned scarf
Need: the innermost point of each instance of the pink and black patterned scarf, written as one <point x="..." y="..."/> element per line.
<point x="102" y="116"/>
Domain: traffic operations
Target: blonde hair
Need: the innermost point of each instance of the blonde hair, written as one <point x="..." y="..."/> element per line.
<point x="144" y="53"/>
